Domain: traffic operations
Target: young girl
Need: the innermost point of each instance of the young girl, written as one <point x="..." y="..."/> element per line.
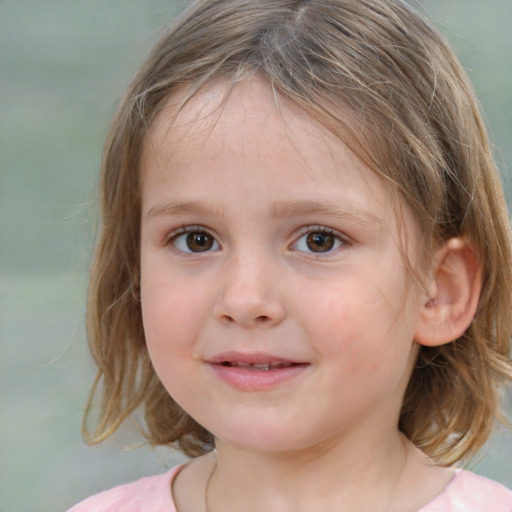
<point x="303" y="273"/>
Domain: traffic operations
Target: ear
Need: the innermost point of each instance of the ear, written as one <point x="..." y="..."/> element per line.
<point x="454" y="291"/>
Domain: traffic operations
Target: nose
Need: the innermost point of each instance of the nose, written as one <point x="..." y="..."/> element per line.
<point x="249" y="295"/>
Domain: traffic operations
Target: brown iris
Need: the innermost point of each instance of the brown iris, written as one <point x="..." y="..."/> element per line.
<point x="199" y="242"/>
<point x="320" y="242"/>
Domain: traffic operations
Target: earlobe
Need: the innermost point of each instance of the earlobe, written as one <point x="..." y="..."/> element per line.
<point x="454" y="291"/>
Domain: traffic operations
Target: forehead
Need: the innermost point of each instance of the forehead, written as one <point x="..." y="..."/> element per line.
<point x="252" y="124"/>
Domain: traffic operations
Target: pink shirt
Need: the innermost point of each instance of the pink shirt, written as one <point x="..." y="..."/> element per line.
<point x="467" y="492"/>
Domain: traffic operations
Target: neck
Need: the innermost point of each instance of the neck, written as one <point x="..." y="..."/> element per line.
<point x="328" y="476"/>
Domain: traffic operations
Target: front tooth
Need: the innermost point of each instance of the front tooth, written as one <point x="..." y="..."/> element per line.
<point x="261" y="366"/>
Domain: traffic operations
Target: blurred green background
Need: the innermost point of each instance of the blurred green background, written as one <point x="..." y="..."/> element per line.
<point x="64" y="65"/>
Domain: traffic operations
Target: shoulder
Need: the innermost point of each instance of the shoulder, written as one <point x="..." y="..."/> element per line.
<point x="468" y="492"/>
<point x="149" y="494"/>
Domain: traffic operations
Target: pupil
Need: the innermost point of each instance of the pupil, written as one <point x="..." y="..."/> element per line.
<point x="199" y="242"/>
<point x="320" y="242"/>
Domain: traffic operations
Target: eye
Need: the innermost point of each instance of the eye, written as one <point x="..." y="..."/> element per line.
<point x="319" y="240"/>
<point x="194" y="241"/>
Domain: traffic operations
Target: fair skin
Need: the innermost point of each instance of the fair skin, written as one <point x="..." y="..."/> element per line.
<point x="264" y="240"/>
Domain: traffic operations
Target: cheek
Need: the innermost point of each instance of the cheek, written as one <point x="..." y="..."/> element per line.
<point x="359" y="326"/>
<point x="171" y="312"/>
<point x="170" y="330"/>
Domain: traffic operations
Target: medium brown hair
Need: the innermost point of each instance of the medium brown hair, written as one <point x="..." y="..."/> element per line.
<point x="380" y="77"/>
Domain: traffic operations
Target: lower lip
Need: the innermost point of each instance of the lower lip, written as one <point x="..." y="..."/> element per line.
<point x="256" y="380"/>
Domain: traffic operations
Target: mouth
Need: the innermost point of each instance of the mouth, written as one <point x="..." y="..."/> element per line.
<point x="257" y="371"/>
<point x="256" y="361"/>
<point x="260" y="367"/>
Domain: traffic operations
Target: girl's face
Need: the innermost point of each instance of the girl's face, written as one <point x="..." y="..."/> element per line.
<point x="277" y="309"/>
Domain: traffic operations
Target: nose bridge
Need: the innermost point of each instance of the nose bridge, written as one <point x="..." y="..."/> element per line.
<point x="248" y="294"/>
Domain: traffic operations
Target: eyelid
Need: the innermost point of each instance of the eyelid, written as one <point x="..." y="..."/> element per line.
<point x="181" y="230"/>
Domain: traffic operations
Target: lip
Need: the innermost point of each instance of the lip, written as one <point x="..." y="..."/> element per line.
<point x="233" y="368"/>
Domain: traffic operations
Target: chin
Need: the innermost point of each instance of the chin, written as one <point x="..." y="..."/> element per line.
<point x="263" y="438"/>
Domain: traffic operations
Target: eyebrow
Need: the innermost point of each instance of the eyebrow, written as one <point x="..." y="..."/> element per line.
<point x="352" y="213"/>
<point x="280" y="209"/>
<point x="180" y="208"/>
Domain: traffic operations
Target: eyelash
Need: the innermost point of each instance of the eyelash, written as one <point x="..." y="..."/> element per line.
<point x="339" y="239"/>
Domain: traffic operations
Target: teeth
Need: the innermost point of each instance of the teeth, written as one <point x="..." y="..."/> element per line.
<point x="258" y="366"/>
<point x="261" y="366"/>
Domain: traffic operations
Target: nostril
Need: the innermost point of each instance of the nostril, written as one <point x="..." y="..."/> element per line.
<point x="262" y="318"/>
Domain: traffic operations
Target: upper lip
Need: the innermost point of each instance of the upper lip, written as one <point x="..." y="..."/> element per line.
<point x="250" y="358"/>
